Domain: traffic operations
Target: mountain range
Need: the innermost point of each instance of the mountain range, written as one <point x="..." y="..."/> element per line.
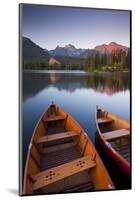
<point x="32" y="50"/>
<point x="72" y="51"/>
<point x="68" y="50"/>
<point x="68" y="55"/>
<point x="112" y="47"/>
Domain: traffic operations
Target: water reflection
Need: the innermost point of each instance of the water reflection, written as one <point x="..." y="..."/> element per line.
<point x="108" y="83"/>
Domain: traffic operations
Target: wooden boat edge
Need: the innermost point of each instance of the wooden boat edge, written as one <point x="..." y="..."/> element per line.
<point x="106" y="143"/>
<point x="28" y="152"/>
<point x="32" y="139"/>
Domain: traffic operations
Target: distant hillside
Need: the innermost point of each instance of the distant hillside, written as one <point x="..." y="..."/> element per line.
<point x="33" y="55"/>
<point x="32" y="51"/>
<point x="112" y="47"/>
<point x="68" y="62"/>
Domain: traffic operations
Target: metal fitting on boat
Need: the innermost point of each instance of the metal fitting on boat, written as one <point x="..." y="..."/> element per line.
<point x="108" y="144"/>
<point x="86" y="134"/>
<point x="30" y="145"/>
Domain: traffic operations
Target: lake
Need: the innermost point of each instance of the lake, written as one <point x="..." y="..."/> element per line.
<point x="77" y="93"/>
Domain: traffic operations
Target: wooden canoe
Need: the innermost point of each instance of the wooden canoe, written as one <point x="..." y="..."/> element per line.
<point x="61" y="158"/>
<point x="114" y="136"/>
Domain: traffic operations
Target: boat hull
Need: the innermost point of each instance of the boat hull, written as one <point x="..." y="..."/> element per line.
<point x="118" y="161"/>
<point x="58" y="143"/>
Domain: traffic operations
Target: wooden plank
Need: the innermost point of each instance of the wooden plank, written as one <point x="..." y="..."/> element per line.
<point x="84" y="147"/>
<point x="121" y="145"/>
<point x="58" y="147"/>
<point x="60" y="157"/>
<point x="55" y="137"/>
<point x="54" y="118"/>
<point x="55" y="174"/>
<point x="35" y="159"/>
<point x="104" y="120"/>
<point x="85" y="187"/>
<point x="116" y="134"/>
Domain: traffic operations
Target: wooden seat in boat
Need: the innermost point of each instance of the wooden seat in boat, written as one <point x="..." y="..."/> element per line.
<point x="58" y="147"/>
<point x="104" y="120"/>
<point x="61" y="157"/>
<point x="54" y="118"/>
<point x="116" y="134"/>
<point x="55" y="137"/>
<point x="61" y="172"/>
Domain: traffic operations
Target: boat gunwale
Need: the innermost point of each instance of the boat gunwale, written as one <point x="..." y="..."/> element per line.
<point x="29" y="149"/>
<point x="82" y="132"/>
<point x="115" y="152"/>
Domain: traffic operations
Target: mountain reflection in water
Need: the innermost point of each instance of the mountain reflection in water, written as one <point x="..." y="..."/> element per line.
<point x="108" y="83"/>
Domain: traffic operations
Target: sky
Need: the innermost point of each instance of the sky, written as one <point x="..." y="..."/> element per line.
<point x="50" y="26"/>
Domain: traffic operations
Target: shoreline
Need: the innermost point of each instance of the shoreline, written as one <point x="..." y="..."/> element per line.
<point x="69" y="71"/>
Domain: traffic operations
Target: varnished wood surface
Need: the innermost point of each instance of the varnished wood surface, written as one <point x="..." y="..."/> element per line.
<point x="55" y="137"/>
<point x="117" y="133"/>
<point x="86" y="187"/>
<point x="61" y="142"/>
<point x="123" y="147"/>
<point x="104" y="120"/>
<point x="57" y="173"/>
<point x="58" y="147"/>
<point x="54" y="118"/>
<point x="54" y="128"/>
<point x="80" y="182"/>
<point x="55" y="158"/>
<point x="112" y="135"/>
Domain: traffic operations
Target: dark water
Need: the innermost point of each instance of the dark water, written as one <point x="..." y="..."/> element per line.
<point x="78" y="94"/>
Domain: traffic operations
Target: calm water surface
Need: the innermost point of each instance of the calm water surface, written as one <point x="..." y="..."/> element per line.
<point x="77" y="93"/>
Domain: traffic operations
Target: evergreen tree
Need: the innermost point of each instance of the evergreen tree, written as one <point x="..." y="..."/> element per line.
<point x="97" y="61"/>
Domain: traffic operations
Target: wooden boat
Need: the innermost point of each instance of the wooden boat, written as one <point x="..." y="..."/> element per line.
<point x="114" y="136"/>
<point x="61" y="158"/>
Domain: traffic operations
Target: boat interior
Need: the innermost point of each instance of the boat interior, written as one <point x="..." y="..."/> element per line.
<point x="116" y="131"/>
<point x="61" y="159"/>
